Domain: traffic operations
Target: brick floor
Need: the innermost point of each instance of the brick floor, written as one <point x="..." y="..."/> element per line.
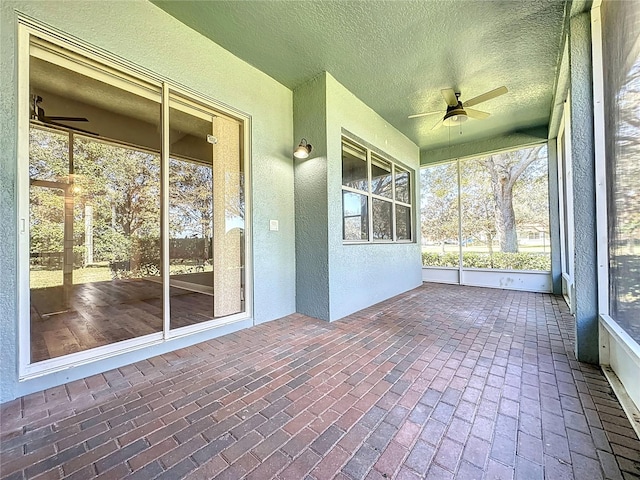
<point x="440" y="382"/>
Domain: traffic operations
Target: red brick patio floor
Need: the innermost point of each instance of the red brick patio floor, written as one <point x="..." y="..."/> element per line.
<point x="440" y="382"/>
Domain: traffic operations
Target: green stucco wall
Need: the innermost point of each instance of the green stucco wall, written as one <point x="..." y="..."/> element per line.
<point x="353" y="276"/>
<point x="146" y="36"/>
<point x="312" y="247"/>
<point x="584" y="190"/>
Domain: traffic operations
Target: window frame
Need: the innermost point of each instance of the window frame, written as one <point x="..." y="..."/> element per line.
<point x="395" y="167"/>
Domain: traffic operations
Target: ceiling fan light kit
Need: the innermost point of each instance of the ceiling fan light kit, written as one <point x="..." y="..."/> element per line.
<point x="454" y="117"/>
<point x="457" y="111"/>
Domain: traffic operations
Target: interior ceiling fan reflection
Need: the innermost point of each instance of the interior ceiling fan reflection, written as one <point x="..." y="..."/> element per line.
<point x="38" y="113"/>
<point x="458" y="111"/>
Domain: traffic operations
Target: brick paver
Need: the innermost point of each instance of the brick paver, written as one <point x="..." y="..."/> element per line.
<point x="440" y="382"/>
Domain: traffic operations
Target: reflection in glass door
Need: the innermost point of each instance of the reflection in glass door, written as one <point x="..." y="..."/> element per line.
<point x="94" y="206"/>
<point x="206" y="214"/>
<point x="105" y="273"/>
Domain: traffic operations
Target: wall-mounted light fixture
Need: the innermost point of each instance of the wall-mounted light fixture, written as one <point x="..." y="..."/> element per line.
<point x="303" y="150"/>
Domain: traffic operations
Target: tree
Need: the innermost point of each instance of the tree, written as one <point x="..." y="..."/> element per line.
<point x="478" y="206"/>
<point x="505" y="169"/>
<point x="48" y="162"/>
<point x="498" y="193"/>
<point x="191" y="202"/>
<point x="625" y="176"/>
<point x="123" y="187"/>
<point x="439" y="206"/>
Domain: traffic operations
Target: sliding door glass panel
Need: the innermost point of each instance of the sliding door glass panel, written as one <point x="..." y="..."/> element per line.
<point x="94" y="205"/>
<point x="206" y="214"/>
<point x="439" y="215"/>
<point x="48" y="174"/>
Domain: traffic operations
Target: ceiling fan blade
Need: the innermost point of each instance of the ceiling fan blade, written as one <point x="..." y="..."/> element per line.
<point x="477" y="114"/>
<point x="486" y="96"/>
<point x="449" y="97"/>
<point x="439" y="124"/>
<point x="70" y="119"/>
<point x="416" y="115"/>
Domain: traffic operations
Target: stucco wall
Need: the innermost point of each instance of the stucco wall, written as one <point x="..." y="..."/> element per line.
<point x="312" y="255"/>
<point x="584" y="190"/>
<point x="335" y="279"/>
<point x="362" y="275"/>
<point x="143" y="34"/>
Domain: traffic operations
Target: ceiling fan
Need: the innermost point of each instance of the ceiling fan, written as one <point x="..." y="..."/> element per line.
<point x="458" y="111"/>
<point x="37" y="113"/>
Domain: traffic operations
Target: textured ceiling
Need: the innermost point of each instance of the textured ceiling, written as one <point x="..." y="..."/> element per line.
<point x="397" y="55"/>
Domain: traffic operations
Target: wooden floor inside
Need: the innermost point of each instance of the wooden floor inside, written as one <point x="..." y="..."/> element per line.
<point x="101" y="313"/>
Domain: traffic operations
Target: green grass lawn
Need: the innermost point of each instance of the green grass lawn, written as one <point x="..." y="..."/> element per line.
<point x="53" y="278"/>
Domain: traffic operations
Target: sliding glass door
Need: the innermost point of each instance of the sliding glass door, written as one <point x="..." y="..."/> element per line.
<point x="105" y="270"/>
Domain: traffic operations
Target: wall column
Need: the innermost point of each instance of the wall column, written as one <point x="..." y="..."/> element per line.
<point x="310" y="186"/>
<point x="584" y="191"/>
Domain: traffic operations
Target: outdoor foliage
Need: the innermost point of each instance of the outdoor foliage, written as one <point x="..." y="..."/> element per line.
<point x="191" y="205"/>
<point x="499" y="195"/>
<point x="499" y="260"/>
<point x="107" y="198"/>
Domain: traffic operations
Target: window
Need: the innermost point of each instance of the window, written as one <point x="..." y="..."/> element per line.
<point x="98" y="271"/>
<point x="621" y="58"/>
<point x="440" y="215"/>
<point x="503" y="213"/>
<point x="376" y="197"/>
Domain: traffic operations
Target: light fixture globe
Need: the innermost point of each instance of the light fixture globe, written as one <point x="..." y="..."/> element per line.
<point x="455" y="116"/>
<point x="303" y="150"/>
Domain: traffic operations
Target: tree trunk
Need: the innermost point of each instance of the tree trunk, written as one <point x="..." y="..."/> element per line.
<point x="506" y="220"/>
<point x="205" y="235"/>
<point x="503" y="176"/>
<point x="490" y="248"/>
<point x="490" y="244"/>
